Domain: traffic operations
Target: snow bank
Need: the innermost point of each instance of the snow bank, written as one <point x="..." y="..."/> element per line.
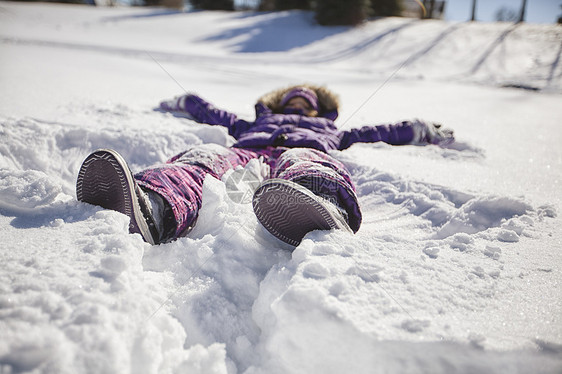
<point x="456" y="267"/>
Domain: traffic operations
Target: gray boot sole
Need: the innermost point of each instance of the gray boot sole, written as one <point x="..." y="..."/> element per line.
<point x="289" y="211"/>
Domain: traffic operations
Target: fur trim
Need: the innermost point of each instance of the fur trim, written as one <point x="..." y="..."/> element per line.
<point x="327" y="100"/>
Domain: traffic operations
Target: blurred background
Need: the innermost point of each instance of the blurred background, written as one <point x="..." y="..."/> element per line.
<point x="354" y="12"/>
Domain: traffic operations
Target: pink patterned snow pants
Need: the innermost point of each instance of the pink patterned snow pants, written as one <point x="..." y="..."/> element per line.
<point x="180" y="179"/>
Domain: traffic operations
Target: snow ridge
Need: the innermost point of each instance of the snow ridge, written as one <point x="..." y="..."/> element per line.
<point x="456" y="267"/>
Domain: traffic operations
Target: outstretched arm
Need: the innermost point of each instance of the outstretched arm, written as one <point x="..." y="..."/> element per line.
<point x="406" y="132"/>
<point x="204" y="112"/>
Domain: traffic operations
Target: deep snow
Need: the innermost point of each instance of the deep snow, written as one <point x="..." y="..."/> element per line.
<point x="457" y="266"/>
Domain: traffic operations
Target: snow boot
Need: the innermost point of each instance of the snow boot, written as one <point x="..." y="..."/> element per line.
<point x="289" y="211"/>
<point x="105" y="179"/>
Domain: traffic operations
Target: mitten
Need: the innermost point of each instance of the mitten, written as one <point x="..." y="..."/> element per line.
<point x="177" y="104"/>
<point x="171" y="105"/>
<point x="431" y="133"/>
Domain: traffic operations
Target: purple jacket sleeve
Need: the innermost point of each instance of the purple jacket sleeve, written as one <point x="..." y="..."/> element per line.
<point x="397" y="134"/>
<point x="204" y="112"/>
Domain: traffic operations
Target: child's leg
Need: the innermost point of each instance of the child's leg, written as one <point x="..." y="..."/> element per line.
<point x="180" y="180"/>
<point x="323" y="175"/>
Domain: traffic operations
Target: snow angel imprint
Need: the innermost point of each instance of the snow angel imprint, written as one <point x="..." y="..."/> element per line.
<point x="305" y="190"/>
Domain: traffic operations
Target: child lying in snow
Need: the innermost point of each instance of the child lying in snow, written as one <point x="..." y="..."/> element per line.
<point x="293" y="131"/>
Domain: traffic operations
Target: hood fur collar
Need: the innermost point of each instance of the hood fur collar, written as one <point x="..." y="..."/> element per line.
<point x="327" y="100"/>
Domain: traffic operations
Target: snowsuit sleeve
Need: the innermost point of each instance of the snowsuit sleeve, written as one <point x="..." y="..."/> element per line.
<point x="396" y="134"/>
<point x="204" y="112"/>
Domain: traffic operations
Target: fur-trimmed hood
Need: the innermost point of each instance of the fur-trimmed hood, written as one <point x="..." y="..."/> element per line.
<point x="328" y="101"/>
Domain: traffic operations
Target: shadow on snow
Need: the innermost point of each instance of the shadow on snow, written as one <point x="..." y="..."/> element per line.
<point x="276" y="32"/>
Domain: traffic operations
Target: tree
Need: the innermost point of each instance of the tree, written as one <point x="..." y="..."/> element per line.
<point x="342" y="12"/>
<point x="293" y="4"/>
<point x="273" y="5"/>
<point x="213" y="4"/>
<point x="386" y="8"/>
<point x="338" y="12"/>
<point x="266" y="5"/>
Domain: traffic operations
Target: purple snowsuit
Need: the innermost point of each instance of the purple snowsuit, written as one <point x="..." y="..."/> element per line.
<point x="291" y="130"/>
<point x="293" y="145"/>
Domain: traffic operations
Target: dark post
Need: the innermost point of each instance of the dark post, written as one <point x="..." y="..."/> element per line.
<point x="473" y="17"/>
<point x="522" y="14"/>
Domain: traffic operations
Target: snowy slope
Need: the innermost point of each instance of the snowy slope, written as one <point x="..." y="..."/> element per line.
<point x="457" y="267"/>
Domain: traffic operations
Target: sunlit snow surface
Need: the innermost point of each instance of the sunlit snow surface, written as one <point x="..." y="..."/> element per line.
<point x="456" y="268"/>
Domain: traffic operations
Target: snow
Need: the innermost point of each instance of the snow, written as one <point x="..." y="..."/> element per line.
<point x="457" y="267"/>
